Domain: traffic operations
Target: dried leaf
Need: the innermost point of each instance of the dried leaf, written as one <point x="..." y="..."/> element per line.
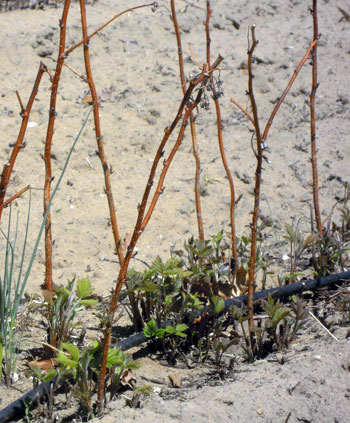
<point x="224" y="290"/>
<point x="310" y="239"/>
<point x="175" y="380"/>
<point x="87" y="99"/>
<point x="127" y="379"/>
<point x="241" y="280"/>
<point x="44" y="365"/>
<point x="126" y="242"/>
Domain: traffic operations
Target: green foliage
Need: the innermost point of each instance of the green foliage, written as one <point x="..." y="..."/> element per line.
<point x="189" y="280"/>
<point x="12" y="287"/>
<point x="331" y="252"/>
<point x="28" y="405"/>
<point x="158" y="291"/>
<point x="298" y="244"/>
<point x="217" y="304"/>
<point x="276" y="331"/>
<point x="80" y="369"/>
<point x="138" y="393"/>
<point x="210" y="333"/>
<point x="61" y="307"/>
<point x="151" y="330"/>
<point x="263" y="261"/>
<point x="11" y="328"/>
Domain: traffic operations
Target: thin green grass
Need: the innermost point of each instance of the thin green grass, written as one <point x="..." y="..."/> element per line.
<point x="12" y="288"/>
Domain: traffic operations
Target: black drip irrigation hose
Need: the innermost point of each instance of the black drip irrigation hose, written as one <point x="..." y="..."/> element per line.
<point x="17" y="408"/>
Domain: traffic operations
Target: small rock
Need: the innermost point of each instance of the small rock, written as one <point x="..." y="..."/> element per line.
<point x="280" y="358"/>
<point x="218" y="26"/>
<point x="46" y="49"/>
<point x="43" y="42"/>
<point x="234" y="22"/>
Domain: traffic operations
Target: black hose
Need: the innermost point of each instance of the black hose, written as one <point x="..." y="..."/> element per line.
<point x="279" y="292"/>
<point x="17" y="408"/>
<point x="288" y="290"/>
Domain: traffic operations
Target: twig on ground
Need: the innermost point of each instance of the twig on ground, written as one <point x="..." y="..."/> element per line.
<point x="323" y="326"/>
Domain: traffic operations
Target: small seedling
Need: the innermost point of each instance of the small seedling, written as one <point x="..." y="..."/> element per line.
<point x="151" y="330"/>
<point x="278" y="329"/>
<point x="79" y="368"/>
<point x="139" y="392"/>
<point x="210" y="179"/>
<point x="61" y="307"/>
<point x="298" y="245"/>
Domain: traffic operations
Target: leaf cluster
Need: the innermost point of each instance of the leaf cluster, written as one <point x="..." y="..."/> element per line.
<point x="276" y="330"/>
<point x="61" y="307"/>
<point x="80" y="369"/>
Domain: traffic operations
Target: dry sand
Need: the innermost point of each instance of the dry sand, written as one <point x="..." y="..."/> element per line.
<point x="134" y="62"/>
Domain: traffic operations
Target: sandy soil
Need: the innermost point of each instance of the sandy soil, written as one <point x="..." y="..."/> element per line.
<point x="134" y="61"/>
<point x="312" y="385"/>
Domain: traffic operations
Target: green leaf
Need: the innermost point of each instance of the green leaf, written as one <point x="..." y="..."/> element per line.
<point x="181" y="334"/>
<point x="293" y="298"/>
<point x="149" y="330"/>
<point x="62" y="291"/>
<point x="115" y="357"/>
<point x="147" y="333"/>
<point x="148" y="286"/>
<point x="51" y="374"/>
<point x="280" y="314"/>
<point x="219" y="306"/>
<point x="89" y="302"/>
<point x="180" y="327"/>
<point x="36" y="372"/>
<point x="148" y="274"/>
<point x="65" y="361"/>
<point x="246" y="240"/>
<point x="158" y="265"/>
<point x="84" y="288"/>
<point x="291" y="235"/>
<point x="159" y="333"/>
<point x="151" y="325"/>
<point x="73" y="350"/>
<point x="168" y="299"/>
<point x="133" y="364"/>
